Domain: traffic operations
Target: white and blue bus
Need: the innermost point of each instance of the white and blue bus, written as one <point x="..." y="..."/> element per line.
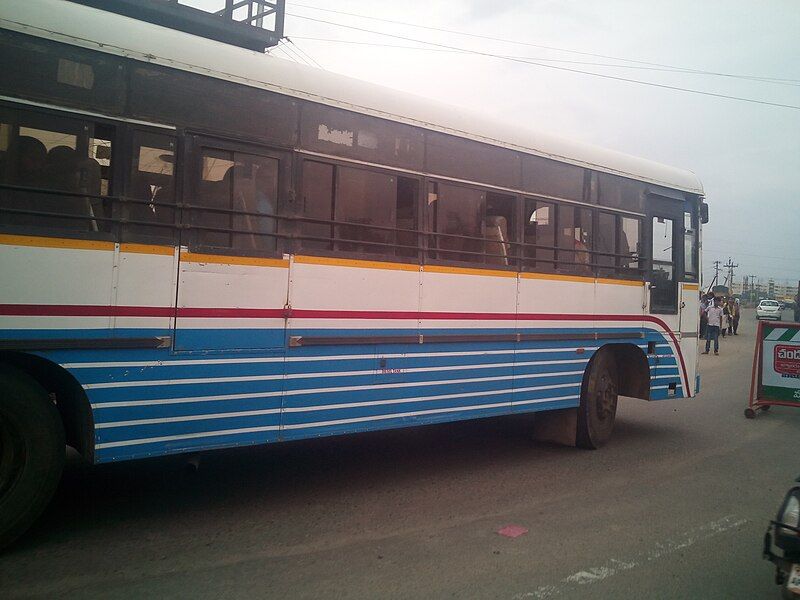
<point x="203" y="247"/>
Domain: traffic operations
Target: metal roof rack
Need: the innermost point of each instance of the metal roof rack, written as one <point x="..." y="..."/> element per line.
<point x="252" y="24"/>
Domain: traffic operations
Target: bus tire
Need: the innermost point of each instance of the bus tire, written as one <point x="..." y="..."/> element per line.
<point x="598" y="406"/>
<point x="32" y="450"/>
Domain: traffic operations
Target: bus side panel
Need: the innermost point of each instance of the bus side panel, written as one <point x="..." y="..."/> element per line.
<point x="342" y="386"/>
<point x="548" y="374"/>
<point x="473" y="305"/>
<point x="222" y="386"/>
<point x="58" y="288"/>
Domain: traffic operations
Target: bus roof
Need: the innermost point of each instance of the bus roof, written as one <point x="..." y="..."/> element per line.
<point x="100" y="30"/>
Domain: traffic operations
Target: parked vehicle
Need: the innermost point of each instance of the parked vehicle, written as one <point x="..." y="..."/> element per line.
<point x="768" y="309"/>
<point x="784" y="533"/>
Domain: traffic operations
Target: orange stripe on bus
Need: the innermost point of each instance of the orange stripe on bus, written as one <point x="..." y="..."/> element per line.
<point x="47" y="242"/>
<point x="251" y="261"/>
<point x="357" y="263"/>
<point x="147" y="249"/>
<point x="469" y="271"/>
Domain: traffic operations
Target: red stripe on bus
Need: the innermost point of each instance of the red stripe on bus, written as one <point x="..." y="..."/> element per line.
<point x="78" y="310"/>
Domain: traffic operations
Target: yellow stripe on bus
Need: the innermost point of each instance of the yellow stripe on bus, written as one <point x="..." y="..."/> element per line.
<point x="554" y="277"/>
<point x="691" y="286"/>
<point x="357" y="263"/>
<point x="469" y="271"/>
<point x="251" y="261"/>
<point x="147" y="249"/>
<point x="47" y="242"/>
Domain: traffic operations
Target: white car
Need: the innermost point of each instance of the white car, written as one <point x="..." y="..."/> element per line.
<point x="768" y="309"/>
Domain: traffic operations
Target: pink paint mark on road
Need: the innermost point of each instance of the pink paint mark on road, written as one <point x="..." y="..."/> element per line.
<point x="513" y="531"/>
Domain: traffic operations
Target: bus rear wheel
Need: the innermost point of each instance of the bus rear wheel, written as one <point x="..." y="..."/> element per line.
<point x="32" y="450"/>
<point x="598" y="406"/>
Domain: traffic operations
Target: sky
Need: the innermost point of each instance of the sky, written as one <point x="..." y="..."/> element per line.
<point x="746" y="154"/>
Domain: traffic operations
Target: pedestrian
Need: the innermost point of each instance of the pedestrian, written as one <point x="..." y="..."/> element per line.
<point x="725" y="325"/>
<point x="714" y="315"/>
<point x="735" y="314"/>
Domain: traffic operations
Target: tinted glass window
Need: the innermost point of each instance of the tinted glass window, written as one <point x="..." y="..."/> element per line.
<point x="552" y="178"/>
<point x="368" y="200"/>
<point x="152" y="186"/>
<point x="540" y="234"/>
<point x="574" y="239"/>
<point x="605" y="243"/>
<point x="618" y="192"/>
<point x="335" y="131"/>
<point x="629" y="243"/>
<point x="169" y="95"/>
<point x="67" y="167"/>
<point x="62" y="74"/>
<point x="466" y="159"/>
<point x="238" y="193"/>
<point x="317" y="189"/>
<point x="500" y="228"/>
<point x="375" y="213"/>
<point x="458" y="214"/>
<point x="690" y="246"/>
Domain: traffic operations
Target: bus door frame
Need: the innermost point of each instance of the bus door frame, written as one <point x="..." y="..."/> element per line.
<point x="193" y="144"/>
<point x="661" y="207"/>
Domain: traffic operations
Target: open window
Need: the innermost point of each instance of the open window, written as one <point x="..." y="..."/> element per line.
<point x="58" y="169"/>
<point x="150" y="207"/>
<point x="540" y="235"/>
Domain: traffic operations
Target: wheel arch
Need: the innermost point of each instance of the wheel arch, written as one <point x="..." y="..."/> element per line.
<point x="70" y="398"/>
<point x="633" y="369"/>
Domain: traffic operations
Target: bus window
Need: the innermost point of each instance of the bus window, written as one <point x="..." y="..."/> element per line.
<point x="690" y="246"/>
<point x="500" y="229"/>
<point x="540" y="235"/>
<point x="459" y="211"/>
<point x="242" y="190"/>
<point x="605" y="238"/>
<point x="54" y="157"/>
<point x="618" y="192"/>
<point x="407" y="202"/>
<point x="317" y="186"/>
<point x="366" y="199"/>
<point x="629" y="244"/>
<point x="574" y="240"/>
<point x="152" y="183"/>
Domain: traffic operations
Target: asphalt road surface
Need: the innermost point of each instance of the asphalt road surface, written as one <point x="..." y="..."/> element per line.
<point x="674" y="507"/>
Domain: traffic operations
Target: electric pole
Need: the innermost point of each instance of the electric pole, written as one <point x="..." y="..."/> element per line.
<point x="730" y="266"/>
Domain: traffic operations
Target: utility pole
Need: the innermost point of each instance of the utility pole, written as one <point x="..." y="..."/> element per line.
<point x="730" y="266"/>
<point x="716" y="275"/>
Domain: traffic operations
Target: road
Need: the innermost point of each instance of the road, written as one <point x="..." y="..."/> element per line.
<point x="674" y="507"/>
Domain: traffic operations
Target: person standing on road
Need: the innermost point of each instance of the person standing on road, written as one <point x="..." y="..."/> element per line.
<point x="725" y="317"/>
<point x="714" y="314"/>
<point x="735" y="310"/>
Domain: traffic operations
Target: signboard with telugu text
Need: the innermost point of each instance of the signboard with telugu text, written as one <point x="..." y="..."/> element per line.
<point x="780" y="362"/>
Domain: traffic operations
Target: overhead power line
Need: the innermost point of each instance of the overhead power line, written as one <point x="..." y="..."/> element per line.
<point x="304" y="53"/>
<point x="537" y="58"/>
<point x="555" y="67"/>
<point x="542" y="46"/>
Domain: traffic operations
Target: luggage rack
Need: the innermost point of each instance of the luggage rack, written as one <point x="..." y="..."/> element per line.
<point x="251" y="24"/>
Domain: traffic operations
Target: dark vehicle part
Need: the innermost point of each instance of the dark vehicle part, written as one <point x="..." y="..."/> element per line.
<point x="784" y="533"/>
<point x="32" y="450"/>
<point x="598" y="406"/>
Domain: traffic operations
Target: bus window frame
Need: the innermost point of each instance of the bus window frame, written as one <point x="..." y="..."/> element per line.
<point x="296" y="218"/>
<point x="193" y="145"/>
<point x="43" y="117"/>
<point x="429" y="233"/>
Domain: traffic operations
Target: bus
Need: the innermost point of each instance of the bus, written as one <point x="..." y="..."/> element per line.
<point x="203" y="247"/>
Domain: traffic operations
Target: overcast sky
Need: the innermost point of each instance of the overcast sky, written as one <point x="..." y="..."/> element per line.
<point x="747" y="155"/>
